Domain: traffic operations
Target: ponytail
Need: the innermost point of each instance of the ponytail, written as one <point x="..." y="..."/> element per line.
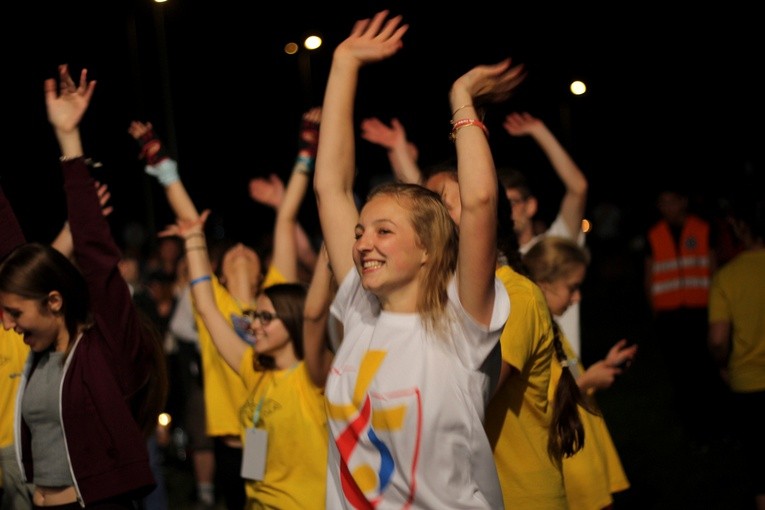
<point x="566" y="430"/>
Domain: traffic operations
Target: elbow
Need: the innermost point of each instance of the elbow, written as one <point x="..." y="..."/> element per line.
<point x="485" y="199"/>
<point x="583" y="187"/>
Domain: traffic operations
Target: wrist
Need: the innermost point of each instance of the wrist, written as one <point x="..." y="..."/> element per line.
<point x="304" y="165"/>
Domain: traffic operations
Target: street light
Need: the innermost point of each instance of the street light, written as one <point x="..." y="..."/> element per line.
<point x="311" y="42"/>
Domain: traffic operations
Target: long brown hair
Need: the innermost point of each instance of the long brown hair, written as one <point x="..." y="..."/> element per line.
<point x="549" y="260"/>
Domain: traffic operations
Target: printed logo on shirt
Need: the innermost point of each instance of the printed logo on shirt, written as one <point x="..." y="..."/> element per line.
<point x="241" y="325"/>
<point x="373" y="422"/>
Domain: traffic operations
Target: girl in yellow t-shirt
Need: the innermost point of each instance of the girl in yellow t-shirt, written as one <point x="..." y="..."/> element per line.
<point x="595" y="472"/>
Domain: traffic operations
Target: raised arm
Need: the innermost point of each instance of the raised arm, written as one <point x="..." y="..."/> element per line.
<point x="286" y="227"/>
<point x="160" y="165"/>
<point x="316" y="352"/>
<point x="574" y="200"/>
<point x="371" y="40"/>
<point x="63" y="241"/>
<point x="230" y="346"/>
<point x="477" y="177"/>
<point x="95" y="251"/>
<point x="402" y="153"/>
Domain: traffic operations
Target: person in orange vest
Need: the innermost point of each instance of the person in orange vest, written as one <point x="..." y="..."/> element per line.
<point x="678" y="268"/>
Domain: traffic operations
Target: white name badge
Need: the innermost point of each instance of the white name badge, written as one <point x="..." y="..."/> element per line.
<point x="254" y="456"/>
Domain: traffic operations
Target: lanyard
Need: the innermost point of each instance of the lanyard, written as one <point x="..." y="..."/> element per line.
<point x="256" y="413"/>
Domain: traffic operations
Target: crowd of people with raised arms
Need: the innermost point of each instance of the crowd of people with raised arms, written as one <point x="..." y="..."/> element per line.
<point x="422" y="354"/>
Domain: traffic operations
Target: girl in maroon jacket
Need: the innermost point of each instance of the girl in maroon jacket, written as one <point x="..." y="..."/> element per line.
<point x="92" y="386"/>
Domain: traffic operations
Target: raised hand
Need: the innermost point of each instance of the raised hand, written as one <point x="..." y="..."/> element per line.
<point x="374" y="39"/>
<point x="376" y="131"/>
<point x="66" y="107"/>
<point x="139" y="129"/>
<point x="521" y="124"/>
<point x="267" y="191"/>
<point x="489" y="83"/>
<point x="183" y="228"/>
<point x="391" y="137"/>
<point x="309" y="133"/>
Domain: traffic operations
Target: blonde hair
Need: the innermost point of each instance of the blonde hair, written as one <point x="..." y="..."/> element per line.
<point x="554" y="258"/>
<point x="437" y="234"/>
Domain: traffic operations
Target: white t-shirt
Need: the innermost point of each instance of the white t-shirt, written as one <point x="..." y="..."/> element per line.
<point x="569" y="321"/>
<point x="405" y="408"/>
<point x="182" y="323"/>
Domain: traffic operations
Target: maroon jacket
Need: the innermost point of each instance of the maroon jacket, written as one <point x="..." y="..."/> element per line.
<point x="106" y="367"/>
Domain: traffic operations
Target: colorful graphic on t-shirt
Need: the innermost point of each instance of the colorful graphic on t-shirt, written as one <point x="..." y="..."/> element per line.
<point x="242" y="325"/>
<point x="375" y="422"/>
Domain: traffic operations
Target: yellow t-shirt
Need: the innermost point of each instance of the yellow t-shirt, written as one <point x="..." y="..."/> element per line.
<point x="224" y="391"/>
<point x="290" y="408"/>
<point x="595" y="472"/>
<point x="737" y="296"/>
<point x="13" y="355"/>
<point x="518" y="416"/>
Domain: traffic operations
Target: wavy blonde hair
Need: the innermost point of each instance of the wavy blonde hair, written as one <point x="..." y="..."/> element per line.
<point x="437" y="234"/>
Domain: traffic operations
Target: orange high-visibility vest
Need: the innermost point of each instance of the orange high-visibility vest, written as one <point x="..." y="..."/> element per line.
<point x="680" y="278"/>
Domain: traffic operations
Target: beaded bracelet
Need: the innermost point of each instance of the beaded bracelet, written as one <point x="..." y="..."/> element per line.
<point x="205" y="278"/>
<point x="193" y="234"/>
<point x="459" y="124"/>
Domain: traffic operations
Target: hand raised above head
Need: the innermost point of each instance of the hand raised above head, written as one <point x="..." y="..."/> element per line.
<point x="66" y="107"/>
<point x="139" y="129"/>
<point x="374" y="39"/>
<point x="185" y="228"/>
<point x="376" y="131"/>
<point x="488" y="83"/>
<point x="520" y="123"/>
<point x="267" y="191"/>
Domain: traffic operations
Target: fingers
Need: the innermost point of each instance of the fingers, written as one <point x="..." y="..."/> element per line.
<point x="49" y="86"/>
<point x="65" y="79"/>
<point x="83" y="81"/>
<point x="313" y="115"/>
<point x="373" y="27"/>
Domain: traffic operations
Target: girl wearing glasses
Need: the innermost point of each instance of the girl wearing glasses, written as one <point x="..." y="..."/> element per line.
<point x="284" y="410"/>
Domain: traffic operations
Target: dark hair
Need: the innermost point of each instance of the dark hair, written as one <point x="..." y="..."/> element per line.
<point x="566" y="429"/>
<point x="288" y="300"/>
<point x="34" y="270"/>
<point x="514" y="179"/>
<point x="507" y="239"/>
<point x="749" y="208"/>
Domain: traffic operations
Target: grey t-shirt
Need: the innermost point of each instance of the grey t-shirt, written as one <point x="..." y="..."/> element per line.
<point x="40" y="407"/>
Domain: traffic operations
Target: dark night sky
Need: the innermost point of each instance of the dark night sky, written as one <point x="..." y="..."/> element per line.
<point x="670" y="94"/>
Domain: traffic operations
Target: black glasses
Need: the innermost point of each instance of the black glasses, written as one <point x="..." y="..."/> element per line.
<point x="265" y="318"/>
